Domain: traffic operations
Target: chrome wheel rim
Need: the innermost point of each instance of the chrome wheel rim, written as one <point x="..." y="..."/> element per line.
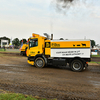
<point x="76" y="65"/>
<point x="39" y="63"/>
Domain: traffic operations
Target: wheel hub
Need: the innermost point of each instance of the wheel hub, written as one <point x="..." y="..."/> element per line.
<point x="39" y="63"/>
<point x="76" y="66"/>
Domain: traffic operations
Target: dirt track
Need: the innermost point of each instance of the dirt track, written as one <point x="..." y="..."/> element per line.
<point x="16" y="75"/>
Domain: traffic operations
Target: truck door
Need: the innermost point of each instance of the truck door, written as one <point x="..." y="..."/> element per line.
<point x="33" y="47"/>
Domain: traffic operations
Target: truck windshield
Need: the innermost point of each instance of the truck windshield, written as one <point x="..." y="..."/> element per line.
<point x="33" y="43"/>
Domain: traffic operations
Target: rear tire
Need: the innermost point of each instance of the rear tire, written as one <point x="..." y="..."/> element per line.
<point x="39" y="62"/>
<point x="77" y="65"/>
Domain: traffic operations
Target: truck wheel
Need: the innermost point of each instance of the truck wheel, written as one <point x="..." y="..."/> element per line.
<point x="76" y="65"/>
<point x="39" y="62"/>
<point x="21" y="53"/>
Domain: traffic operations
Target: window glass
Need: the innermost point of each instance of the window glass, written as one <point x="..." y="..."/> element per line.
<point x="33" y="43"/>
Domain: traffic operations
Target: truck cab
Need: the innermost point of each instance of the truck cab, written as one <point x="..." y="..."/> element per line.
<point x="23" y="51"/>
<point x="35" y="47"/>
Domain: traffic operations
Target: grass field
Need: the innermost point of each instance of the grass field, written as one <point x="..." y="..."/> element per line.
<point x="1" y="49"/>
<point x="95" y="55"/>
<point x="10" y="50"/>
<point x="17" y="96"/>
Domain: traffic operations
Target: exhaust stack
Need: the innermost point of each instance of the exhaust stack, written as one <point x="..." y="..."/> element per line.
<point x="47" y="36"/>
<point x="51" y="36"/>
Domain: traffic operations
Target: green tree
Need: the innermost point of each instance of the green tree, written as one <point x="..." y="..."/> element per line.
<point x="24" y="41"/>
<point x="4" y="38"/>
<point x="15" y="42"/>
<point x="93" y="43"/>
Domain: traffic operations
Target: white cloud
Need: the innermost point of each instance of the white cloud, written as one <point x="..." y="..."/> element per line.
<point x="19" y="18"/>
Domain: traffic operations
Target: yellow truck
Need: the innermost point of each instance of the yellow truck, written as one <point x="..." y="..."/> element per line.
<point x="23" y="51"/>
<point x="43" y="51"/>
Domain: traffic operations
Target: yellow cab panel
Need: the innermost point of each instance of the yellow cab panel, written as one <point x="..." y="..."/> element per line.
<point x="47" y="47"/>
<point x="36" y="46"/>
<point x="24" y="47"/>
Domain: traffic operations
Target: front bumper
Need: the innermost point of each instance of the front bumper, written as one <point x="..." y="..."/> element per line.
<point x="30" y="62"/>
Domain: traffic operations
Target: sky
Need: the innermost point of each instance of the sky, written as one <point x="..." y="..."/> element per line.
<point x="79" y="20"/>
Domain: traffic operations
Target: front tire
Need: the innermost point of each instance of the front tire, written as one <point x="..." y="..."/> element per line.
<point x="76" y="65"/>
<point x="39" y="62"/>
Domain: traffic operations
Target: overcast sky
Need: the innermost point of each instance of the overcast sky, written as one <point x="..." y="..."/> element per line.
<point x="21" y="18"/>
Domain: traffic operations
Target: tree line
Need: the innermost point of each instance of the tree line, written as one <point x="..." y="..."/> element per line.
<point x="17" y="42"/>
